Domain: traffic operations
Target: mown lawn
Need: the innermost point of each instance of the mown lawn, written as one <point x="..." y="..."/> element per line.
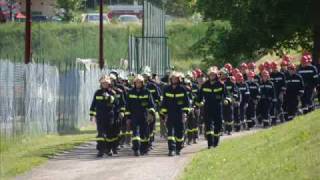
<point x="19" y="156"/>
<point x="289" y="151"/>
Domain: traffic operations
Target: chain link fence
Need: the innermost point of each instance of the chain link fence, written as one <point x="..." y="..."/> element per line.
<point x="39" y="98"/>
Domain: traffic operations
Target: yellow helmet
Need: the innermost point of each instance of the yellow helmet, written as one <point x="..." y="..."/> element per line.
<point x="175" y="74"/>
<point x="213" y="69"/>
<point x="105" y="79"/>
<point x="138" y="77"/>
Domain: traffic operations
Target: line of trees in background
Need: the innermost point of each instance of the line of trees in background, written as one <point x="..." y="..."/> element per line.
<point x="245" y="29"/>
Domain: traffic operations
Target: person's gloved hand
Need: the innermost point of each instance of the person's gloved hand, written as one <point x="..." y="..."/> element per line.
<point x="93" y="119"/>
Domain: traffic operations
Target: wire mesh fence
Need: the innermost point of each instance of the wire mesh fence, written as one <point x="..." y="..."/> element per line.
<point x="39" y="98"/>
<point x="152" y="48"/>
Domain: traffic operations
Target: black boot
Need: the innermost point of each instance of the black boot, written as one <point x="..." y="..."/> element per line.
<point x="171" y="153"/>
<point x="136" y="153"/>
<point x="100" y="154"/>
<point x="216" y="141"/>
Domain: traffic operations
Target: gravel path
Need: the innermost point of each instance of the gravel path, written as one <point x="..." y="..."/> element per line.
<point x="81" y="163"/>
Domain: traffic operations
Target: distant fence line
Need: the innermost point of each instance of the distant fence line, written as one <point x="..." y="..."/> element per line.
<point x="41" y="98"/>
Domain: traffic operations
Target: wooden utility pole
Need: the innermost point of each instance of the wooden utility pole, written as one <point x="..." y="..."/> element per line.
<point x="27" y="57"/>
<point x="101" y="53"/>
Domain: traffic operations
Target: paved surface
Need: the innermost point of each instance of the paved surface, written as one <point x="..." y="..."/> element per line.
<point x="81" y="163"/>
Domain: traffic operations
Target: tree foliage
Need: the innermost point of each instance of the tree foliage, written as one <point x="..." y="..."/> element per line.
<point x="260" y="26"/>
<point x="70" y="7"/>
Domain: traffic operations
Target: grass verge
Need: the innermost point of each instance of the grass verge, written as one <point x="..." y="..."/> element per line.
<point x="21" y="155"/>
<point x="288" y="151"/>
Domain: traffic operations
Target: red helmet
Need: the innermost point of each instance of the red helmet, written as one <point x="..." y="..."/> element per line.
<point x="267" y="65"/>
<point x="194" y="74"/>
<point x="235" y="71"/>
<point x="239" y="77"/>
<point x="292" y="66"/>
<point x="228" y="66"/>
<point x="251" y="65"/>
<point x="243" y="66"/>
<point x="265" y="73"/>
<point x="305" y="59"/>
<point x="274" y="66"/>
<point x="308" y="55"/>
<point x="261" y="67"/>
<point x="286" y="58"/>
<point x="233" y="79"/>
<point x="199" y="72"/>
<point x="251" y="74"/>
<point x="284" y="63"/>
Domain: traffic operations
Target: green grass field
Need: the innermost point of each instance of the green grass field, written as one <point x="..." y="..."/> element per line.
<point x="288" y="151"/>
<point x="22" y="154"/>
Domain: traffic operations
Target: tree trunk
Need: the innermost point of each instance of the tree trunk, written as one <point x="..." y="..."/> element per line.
<point x="316" y="45"/>
<point x="316" y="32"/>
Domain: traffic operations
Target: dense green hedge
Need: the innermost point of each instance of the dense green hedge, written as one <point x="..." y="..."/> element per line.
<point x="65" y="42"/>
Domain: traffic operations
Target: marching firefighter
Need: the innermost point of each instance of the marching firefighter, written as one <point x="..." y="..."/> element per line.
<point x="212" y="96"/>
<point x="253" y="100"/>
<point x="191" y="124"/>
<point x="103" y="108"/>
<point x="139" y="105"/>
<point x="310" y="77"/>
<point x="233" y="96"/>
<point x="267" y="91"/>
<point x="245" y="95"/>
<point x="279" y="81"/>
<point x="119" y="114"/>
<point x="244" y="70"/>
<point x="155" y="92"/>
<point x="251" y="66"/>
<point x="175" y="105"/>
<point x="294" y="91"/>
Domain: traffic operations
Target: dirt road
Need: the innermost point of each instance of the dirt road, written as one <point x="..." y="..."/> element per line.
<point x="81" y="163"/>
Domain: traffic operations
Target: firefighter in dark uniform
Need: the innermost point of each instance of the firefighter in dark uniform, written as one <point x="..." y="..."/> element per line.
<point x="244" y="70"/>
<point x="212" y="96"/>
<point x="258" y="80"/>
<point x="245" y="95"/>
<point x="310" y="77"/>
<point x="154" y="89"/>
<point x="176" y="106"/>
<point x="233" y="95"/>
<point x="139" y="105"/>
<point x="191" y="123"/>
<point x="267" y="91"/>
<point x="284" y="69"/>
<point x="251" y="66"/>
<point x="279" y="81"/>
<point x="119" y="115"/>
<point x="253" y="100"/>
<point x="295" y="90"/>
<point x="194" y="115"/>
<point x="103" y="108"/>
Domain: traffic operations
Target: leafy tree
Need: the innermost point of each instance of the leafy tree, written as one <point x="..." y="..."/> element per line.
<point x="260" y="26"/>
<point x="70" y="7"/>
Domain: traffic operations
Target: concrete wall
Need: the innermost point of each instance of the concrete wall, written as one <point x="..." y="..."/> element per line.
<point x="40" y="7"/>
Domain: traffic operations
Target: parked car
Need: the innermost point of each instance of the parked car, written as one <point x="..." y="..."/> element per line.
<point x="94" y="18"/>
<point x="128" y="19"/>
<point x="39" y="18"/>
